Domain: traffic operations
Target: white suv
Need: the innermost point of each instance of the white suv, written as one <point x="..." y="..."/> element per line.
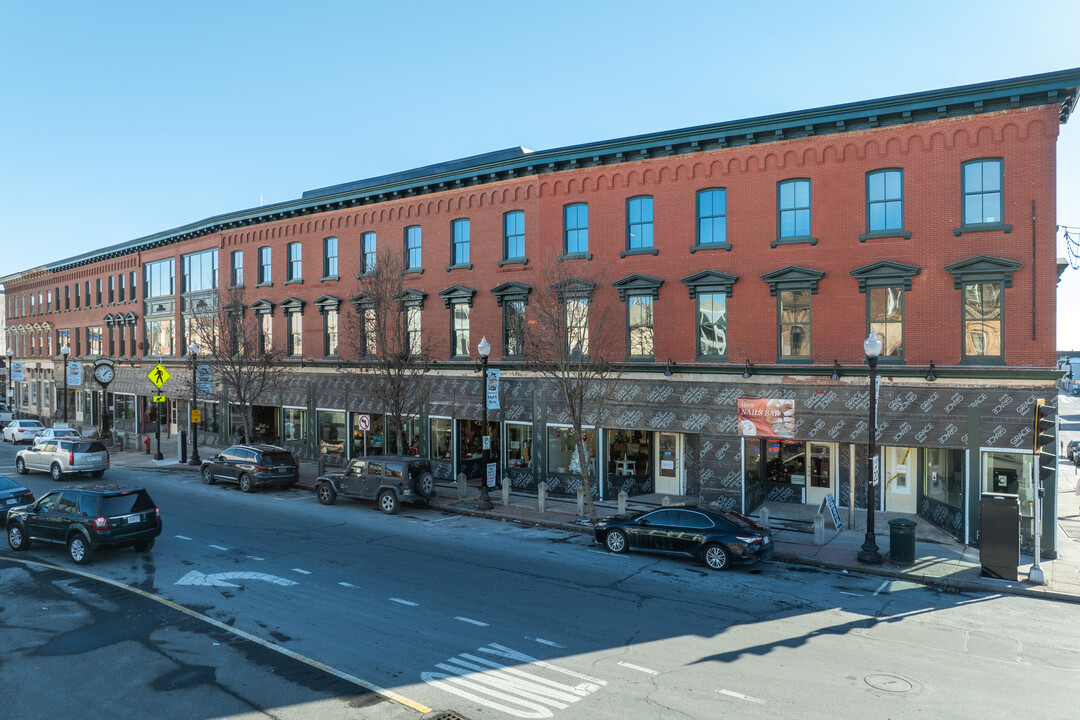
<point x="18" y="431"/>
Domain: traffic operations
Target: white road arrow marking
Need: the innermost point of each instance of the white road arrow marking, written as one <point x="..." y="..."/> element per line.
<point x="221" y="579"/>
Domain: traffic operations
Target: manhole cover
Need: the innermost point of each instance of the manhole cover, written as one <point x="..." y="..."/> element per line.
<point x="888" y="683"/>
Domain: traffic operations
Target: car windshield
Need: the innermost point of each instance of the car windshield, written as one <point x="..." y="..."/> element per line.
<point x="7" y="483"/>
<point x="128" y="503"/>
<point x="278" y="458"/>
<point x="90" y="446"/>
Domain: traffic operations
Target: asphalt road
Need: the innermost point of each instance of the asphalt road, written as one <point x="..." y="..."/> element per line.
<point x="494" y="620"/>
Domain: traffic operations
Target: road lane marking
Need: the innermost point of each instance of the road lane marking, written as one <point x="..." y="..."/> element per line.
<point x="218" y="547"/>
<point x="302" y="572"/>
<point x="610" y="554"/>
<point x="349" y="585"/>
<point x="639" y="668"/>
<point x="381" y="691"/>
<point x="181" y="537"/>
<point x="221" y="579"/>
<point x="255" y="557"/>
<point x="404" y="602"/>
<point x="470" y="620"/>
<point x="851" y="594"/>
<point x="883" y="586"/>
<point x="542" y="641"/>
<point x="740" y="696"/>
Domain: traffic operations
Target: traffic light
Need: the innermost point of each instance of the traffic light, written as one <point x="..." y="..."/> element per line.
<point x="1045" y="441"/>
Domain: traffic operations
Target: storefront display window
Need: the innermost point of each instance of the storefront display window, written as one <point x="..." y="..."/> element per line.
<point x="330" y="429"/>
<point x="374" y="436"/>
<point x="943" y="476"/>
<point x="294" y="421"/>
<point x="519" y="446"/>
<point x="1009" y="473"/>
<point x="563" y="455"/>
<point x="411" y="446"/>
<point x="124" y="412"/>
<point x="440" y="429"/>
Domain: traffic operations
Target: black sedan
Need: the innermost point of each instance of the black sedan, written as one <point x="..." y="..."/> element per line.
<point x="718" y="538"/>
<point x="12" y="494"/>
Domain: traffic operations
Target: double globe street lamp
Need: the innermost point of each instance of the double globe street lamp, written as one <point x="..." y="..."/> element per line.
<point x="65" y="351"/>
<point x="869" y="553"/>
<point x="193" y="350"/>
<point x="484" y="349"/>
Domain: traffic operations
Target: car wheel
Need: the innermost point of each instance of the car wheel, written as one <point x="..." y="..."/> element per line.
<point x="326" y="493"/>
<point x="20" y="467"/>
<point x="388" y="502"/>
<point x="79" y="549"/>
<point x="96" y="473"/>
<point x="16" y="539"/>
<point x="56" y="473"/>
<point x="208" y="476"/>
<point x="245" y="483"/>
<point x="615" y="541"/>
<point x="425" y="484"/>
<point x="716" y="556"/>
<point x="143" y="545"/>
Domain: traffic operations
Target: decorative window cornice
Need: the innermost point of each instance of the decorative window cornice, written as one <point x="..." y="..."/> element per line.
<point x="456" y="294"/>
<point x="709" y="281"/>
<point x="327" y="302"/>
<point x="793" y="277"/>
<point x="983" y="268"/>
<point x="885" y="273"/>
<point x="638" y="285"/>
<point x="511" y="292"/>
<point x="262" y="307"/>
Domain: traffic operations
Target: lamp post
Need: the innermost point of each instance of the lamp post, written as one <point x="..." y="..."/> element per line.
<point x="193" y="350"/>
<point x="65" y="351"/>
<point x="7" y="388"/>
<point x="484" y="348"/>
<point x="869" y="553"/>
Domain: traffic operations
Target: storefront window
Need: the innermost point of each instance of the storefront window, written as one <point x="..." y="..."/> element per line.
<point x="629" y="452"/>
<point x="124" y="412"/>
<point x="563" y="456"/>
<point x="440" y="429"/>
<point x="373" y="436"/>
<point x="943" y="476"/>
<point x="519" y="446"/>
<point x="330" y="426"/>
<point x="470" y="439"/>
<point x="411" y="446"/>
<point x="294" y="420"/>
<point x="785" y="461"/>
<point x="1009" y="473"/>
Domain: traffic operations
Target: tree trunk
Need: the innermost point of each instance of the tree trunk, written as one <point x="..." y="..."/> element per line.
<point x="586" y="462"/>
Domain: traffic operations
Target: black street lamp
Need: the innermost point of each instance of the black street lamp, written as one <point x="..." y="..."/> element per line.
<point x="7" y="388"/>
<point x="484" y="348"/>
<point x="869" y="553"/>
<point x="65" y="351"/>
<point x="193" y="350"/>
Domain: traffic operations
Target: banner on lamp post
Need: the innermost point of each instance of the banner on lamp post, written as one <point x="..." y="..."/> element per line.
<point x="492" y="389"/>
<point x="17" y="371"/>
<point x="204" y="378"/>
<point x="74" y="372"/>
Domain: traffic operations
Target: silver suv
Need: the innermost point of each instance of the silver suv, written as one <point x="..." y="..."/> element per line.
<point x="60" y="457"/>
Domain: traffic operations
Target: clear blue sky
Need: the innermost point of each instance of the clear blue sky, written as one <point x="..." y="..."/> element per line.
<point x="121" y="119"/>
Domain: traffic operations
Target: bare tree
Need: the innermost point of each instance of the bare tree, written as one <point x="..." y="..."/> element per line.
<point x="383" y="335"/>
<point x="571" y="336"/>
<point x="245" y="362"/>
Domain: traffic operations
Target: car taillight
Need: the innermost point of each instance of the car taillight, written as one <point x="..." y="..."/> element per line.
<point x="71" y="458"/>
<point x="106" y="454"/>
<point x="101" y="524"/>
<point x="157" y="513"/>
<point x="749" y="540"/>
<point x="261" y="468"/>
<point x="29" y="496"/>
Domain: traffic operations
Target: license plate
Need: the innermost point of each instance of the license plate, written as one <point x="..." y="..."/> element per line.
<point x="132" y="519"/>
<point x="11" y="501"/>
<point x="768" y="540"/>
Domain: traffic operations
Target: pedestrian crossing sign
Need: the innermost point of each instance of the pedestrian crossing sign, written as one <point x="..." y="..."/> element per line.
<point x="159" y="375"/>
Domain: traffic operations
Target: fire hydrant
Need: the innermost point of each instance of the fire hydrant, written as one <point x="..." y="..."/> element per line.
<point x="146" y="443"/>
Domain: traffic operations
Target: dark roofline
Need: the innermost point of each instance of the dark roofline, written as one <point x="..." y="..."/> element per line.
<point x="1059" y="87"/>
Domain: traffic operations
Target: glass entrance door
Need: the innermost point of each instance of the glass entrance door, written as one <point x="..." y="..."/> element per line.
<point x="669" y="464"/>
<point x="819" y="471"/>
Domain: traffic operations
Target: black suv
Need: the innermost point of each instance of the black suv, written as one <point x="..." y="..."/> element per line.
<point x="252" y="466"/>
<point x="390" y="479"/>
<point x="87" y="518"/>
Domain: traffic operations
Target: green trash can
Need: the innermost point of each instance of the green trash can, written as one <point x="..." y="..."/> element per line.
<point x="902" y="542"/>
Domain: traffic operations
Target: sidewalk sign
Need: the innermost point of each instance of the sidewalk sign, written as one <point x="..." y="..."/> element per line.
<point x="829" y="502"/>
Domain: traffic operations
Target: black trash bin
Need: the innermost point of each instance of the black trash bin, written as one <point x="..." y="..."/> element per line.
<point x="902" y="542"/>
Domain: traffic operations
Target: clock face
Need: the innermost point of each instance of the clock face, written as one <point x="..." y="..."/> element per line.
<point x="103" y="373"/>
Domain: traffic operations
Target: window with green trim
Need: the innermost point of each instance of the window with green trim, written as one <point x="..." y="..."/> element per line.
<point x="794" y="326"/>
<point x="639" y="223"/>
<point x="514" y="235"/>
<point x="982" y="180"/>
<point x="885" y="317"/>
<point x="712" y="216"/>
<point x="639" y="310"/>
<point x="576" y="228"/>
<point x="794" y="208"/>
<point x="412" y="248"/>
<point x="459" y="231"/>
<point x="983" y="313"/>
<point x="712" y="325"/>
<point x="884" y="200"/>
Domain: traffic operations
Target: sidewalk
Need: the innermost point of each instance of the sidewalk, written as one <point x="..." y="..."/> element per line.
<point x="940" y="561"/>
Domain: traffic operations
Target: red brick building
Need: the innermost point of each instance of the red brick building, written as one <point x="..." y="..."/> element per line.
<point x="745" y="259"/>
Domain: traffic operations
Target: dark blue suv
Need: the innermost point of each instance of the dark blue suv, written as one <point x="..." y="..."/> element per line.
<point x="252" y="466"/>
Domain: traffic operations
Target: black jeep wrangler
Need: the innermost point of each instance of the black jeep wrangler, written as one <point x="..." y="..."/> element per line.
<point x="390" y="480"/>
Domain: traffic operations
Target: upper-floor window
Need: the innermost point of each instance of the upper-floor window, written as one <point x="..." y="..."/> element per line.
<point x="367" y="253"/>
<point x="639" y="223"/>
<point x="369" y="330"/>
<point x="55" y="300"/>
<point x="157" y="278"/>
<point x="711" y="325"/>
<point x="576" y="228"/>
<point x="885" y="317"/>
<point x="200" y="271"/>
<point x="712" y="216"/>
<point x="77" y="295"/>
<point x="793" y="207"/>
<point x="93" y="340"/>
<point x="131" y="287"/>
<point x="412" y="248"/>
<point x="884" y="200"/>
<point x="982" y="180"/>
<point x="577" y="326"/>
<point x="67" y="296"/>
<point x="459" y="231"/>
<point x="120" y="294"/>
<point x="97" y="294"/>
<point x="330" y="333"/>
<point x="294" y="269"/>
<point x="295" y="336"/>
<point x="639" y="312"/>
<point x="236" y="268"/>
<point x="31" y="303"/>
<point x="112" y="289"/>
<point x="794" y="325"/>
<point x="513" y="328"/>
<point x="983" y="313"/>
<point x="514" y="235"/>
<point x="412" y="328"/>
<point x="330" y="258"/>
<point x="460" y="331"/>
<point x="48" y="300"/>
<point x="86" y="297"/>
<point x="266" y="333"/>
<point x="265" y="266"/>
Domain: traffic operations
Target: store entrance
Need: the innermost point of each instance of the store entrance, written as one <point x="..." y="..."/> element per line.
<point x="669" y="467"/>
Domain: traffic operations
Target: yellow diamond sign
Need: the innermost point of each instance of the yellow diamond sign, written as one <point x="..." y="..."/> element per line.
<point x="159" y="375"/>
